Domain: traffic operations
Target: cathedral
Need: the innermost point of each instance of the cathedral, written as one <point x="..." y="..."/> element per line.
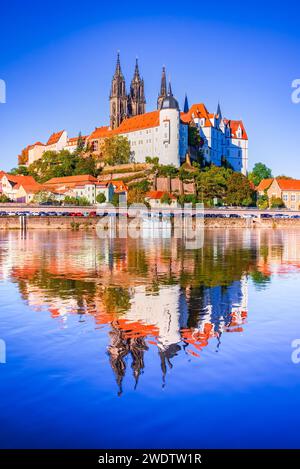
<point x="123" y="105"/>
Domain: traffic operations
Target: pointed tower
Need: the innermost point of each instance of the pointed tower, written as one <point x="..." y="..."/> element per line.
<point x="163" y="89"/>
<point x="186" y="107"/>
<point x="136" y="97"/>
<point x="219" y="112"/>
<point x="118" y="97"/>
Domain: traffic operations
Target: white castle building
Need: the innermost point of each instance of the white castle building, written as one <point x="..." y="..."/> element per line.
<point x="163" y="133"/>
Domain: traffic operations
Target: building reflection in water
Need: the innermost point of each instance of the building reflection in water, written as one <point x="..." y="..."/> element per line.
<point x="148" y="292"/>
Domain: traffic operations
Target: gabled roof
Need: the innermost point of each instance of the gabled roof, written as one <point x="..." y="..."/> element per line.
<point x="158" y="195"/>
<point x="55" y="137"/>
<point x="72" y="179"/>
<point x="196" y="111"/>
<point x="74" y="140"/>
<point x="119" y="186"/>
<point x="21" y="179"/>
<point x="289" y="184"/>
<point x="234" y="126"/>
<point x="30" y="188"/>
<point x="264" y="184"/>
<point x="101" y="132"/>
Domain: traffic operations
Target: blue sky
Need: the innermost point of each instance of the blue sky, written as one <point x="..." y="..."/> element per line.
<point x="57" y="59"/>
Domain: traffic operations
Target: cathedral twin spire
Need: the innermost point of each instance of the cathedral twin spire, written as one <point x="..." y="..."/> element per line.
<point x="121" y="104"/>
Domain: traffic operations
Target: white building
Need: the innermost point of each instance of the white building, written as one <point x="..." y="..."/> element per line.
<point x="223" y="139"/>
<point x="159" y="134"/>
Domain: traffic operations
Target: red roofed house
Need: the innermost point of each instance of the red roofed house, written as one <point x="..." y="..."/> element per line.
<point x="286" y="189"/>
<point x="10" y="184"/>
<point x="81" y="186"/>
<point x="264" y="185"/>
<point x="25" y="192"/>
<point x="154" y="199"/>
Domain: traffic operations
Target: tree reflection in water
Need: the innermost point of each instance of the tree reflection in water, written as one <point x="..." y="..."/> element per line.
<point x="148" y="292"/>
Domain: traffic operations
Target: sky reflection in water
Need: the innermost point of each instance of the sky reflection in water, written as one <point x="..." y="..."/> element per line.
<point x="141" y="343"/>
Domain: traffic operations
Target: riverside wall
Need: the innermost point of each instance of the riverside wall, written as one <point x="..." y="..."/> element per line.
<point x="84" y="223"/>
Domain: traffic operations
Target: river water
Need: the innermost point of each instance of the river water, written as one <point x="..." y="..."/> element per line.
<point x="143" y="343"/>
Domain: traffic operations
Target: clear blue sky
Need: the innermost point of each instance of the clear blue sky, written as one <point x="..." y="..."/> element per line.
<point x="58" y="57"/>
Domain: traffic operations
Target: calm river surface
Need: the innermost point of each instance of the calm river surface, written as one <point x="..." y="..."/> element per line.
<point x="143" y="343"/>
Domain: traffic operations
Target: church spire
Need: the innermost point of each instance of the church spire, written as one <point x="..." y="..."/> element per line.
<point x="163" y="88"/>
<point x="118" y="71"/>
<point x="136" y="97"/>
<point x="219" y="112"/>
<point x="136" y="70"/>
<point x="186" y="107"/>
<point x="118" y="97"/>
<point x="170" y="89"/>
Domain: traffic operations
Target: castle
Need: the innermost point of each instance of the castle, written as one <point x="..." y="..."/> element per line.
<point x="162" y="133"/>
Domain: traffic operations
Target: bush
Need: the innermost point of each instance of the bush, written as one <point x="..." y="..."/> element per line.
<point x="101" y="199"/>
<point x="166" y="199"/>
<point x="4" y="199"/>
<point x="78" y="201"/>
<point x="277" y="202"/>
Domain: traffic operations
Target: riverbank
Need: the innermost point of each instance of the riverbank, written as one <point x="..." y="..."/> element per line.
<point x="84" y="223"/>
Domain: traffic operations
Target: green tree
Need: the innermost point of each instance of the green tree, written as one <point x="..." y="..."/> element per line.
<point x="260" y="172"/>
<point x="154" y="160"/>
<point x="212" y="183"/>
<point x="194" y="138"/>
<point x="4" y="199"/>
<point x="85" y="165"/>
<point x="276" y="202"/>
<point x="165" y="199"/>
<point x="239" y="191"/>
<point x="167" y="171"/>
<point x="101" y="199"/>
<point x="20" y="170"/>
<point x="80" y="145"/>
<point x="53" y="164"/>
<point x="78" y="201"/>
<point x="116" y="150"/>
<point x="263" y="202"/>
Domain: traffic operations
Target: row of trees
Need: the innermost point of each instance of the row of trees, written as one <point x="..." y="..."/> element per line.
<point x="114" y="151"/>
<point x="213" y="185"/>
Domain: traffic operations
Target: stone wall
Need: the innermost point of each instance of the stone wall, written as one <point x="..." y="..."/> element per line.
<point x="84" y="223"/>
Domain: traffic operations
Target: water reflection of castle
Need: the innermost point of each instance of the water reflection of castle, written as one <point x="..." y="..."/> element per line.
<point x="147" y="293"/>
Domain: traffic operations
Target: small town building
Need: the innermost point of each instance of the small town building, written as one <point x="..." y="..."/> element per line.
<point x="156" y="199"/>
<point x="286" y="189"/>
<point x="10" y="184"/>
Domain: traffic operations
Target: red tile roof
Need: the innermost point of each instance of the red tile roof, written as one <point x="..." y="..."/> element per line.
<point x="72" y="179"/>
<point x="119" y="186"/>
<point x="289" y="184"/>
<point x="158" y="195"/>
<point x="74" y="140"/>
<point x="264" y="184"/>
<point x="101" y="132"/>
<point x="55" y="137"/>
<point x="21" y="179"/>
<point x="197" y="111"/>
<point x="30" y="188"/>
<point x="234" y="125"/>
<point x="143" y="121"/>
